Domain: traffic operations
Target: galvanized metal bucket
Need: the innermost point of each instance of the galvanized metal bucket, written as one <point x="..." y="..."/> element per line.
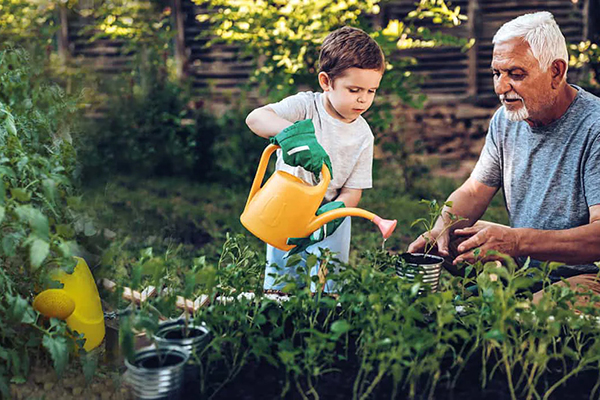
<point x="193" y="339"/>
<point x="157" y="373"/>
<point x="427" y="265"/>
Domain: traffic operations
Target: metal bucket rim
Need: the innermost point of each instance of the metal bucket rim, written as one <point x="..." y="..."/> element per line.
<point x="153" y="351"/>
<point x="439" y="260"/>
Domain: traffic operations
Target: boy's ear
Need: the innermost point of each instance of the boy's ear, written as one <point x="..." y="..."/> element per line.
<point x="325" y="82"/>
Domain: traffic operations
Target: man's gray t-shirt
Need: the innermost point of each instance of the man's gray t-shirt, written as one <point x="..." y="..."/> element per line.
<point x="349" y="145"/>
<point x="550" y="175"/>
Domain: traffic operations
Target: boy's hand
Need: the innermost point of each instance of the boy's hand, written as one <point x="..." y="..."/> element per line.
<point x="300" y="147"/>
<point x="321" y="233"/>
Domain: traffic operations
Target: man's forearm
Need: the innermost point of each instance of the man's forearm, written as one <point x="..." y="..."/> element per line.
<point x="579" y="245"/>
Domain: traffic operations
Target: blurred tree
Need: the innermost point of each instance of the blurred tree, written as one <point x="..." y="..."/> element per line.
<point x="285" y="36"/>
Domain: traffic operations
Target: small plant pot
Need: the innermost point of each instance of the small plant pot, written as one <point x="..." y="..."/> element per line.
<point x="157" y="373"/>
<point x="428" y="266"/>
<point x="192" y="339"/>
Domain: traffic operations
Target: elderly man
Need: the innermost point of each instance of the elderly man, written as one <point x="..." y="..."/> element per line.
<point x="543" y="150"/>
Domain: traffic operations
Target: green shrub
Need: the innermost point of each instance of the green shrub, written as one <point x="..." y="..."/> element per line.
<point x="37" y="219"/>
<point x="381" y="333"/>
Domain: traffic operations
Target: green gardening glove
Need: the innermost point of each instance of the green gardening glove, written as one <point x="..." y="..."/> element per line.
<point x="299" y="147"/>
<point x="321" y="233"/>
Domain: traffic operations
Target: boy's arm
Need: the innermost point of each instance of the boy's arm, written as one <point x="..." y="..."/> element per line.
<point x="265" y="122"/>
<point x="350" y="197"/>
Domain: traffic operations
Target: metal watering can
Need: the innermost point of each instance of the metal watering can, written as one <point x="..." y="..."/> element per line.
<point x="285" y="207"/>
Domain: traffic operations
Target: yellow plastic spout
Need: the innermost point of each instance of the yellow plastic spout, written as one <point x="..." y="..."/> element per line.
<point x="386" y="226"/>
<point x="78" y="303"/>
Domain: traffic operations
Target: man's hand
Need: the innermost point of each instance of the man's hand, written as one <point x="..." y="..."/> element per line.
<point x="441" y="237"/>
<point x="486" y="236"/>
<point x="321" y="233"/>
<point x="299" y="147"/>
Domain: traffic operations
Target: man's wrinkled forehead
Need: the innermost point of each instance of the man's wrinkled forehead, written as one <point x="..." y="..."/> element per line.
<point x="514" y="53"/>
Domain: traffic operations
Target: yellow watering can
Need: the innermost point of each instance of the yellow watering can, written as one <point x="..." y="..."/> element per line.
<point x="77" y="302"/>
<point x="285" y="207"/>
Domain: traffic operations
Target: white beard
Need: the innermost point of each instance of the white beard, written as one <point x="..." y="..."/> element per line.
<point x="520" y="115"/>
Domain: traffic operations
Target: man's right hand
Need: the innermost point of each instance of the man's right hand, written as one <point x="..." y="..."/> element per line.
<point x="299" y="147"/>
<point x="440" y="238"/>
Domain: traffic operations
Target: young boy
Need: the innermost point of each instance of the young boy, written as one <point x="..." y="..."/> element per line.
<point x="351" y="65"/>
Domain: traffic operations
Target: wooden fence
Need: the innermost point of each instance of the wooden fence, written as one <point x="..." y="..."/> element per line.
<point x="450" y="74"/>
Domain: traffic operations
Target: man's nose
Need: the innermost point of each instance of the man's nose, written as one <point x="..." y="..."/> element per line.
<point x="502" y="85"/>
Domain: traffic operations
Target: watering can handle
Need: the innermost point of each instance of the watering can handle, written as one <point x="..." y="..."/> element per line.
<point x="260" y="172"/>
<point x="262" y="168"/>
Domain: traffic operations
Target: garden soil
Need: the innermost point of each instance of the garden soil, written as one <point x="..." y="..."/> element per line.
<point x="43" y="384"/>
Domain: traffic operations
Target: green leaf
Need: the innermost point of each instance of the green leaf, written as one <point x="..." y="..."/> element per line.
<point x="50" y="191"/>
<point x="9" y="124"/>
<point x="10" y="243"/>
<point x="39" y="225"/>
<point x="7" y="171"/>
<point x="340" y="326"/>
<point x="38" y="252"/>
<point x="29" y="316"/>
<point x="89" y="363"/>
<point x="89" y="229"/>
<point x="17" y="306"/>
<point x="37" y="221"/>
<point x="152" y="267"/>
<point x="57" y="347"/>
<point x="66" y="231"/>
<point x="21" y="195"/>
<point x="494" y="334"/>
<point x="2" y="213"/>
<point x="18" y="379"/>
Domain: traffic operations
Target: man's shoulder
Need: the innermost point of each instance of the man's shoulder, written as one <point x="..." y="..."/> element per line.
<point x="590" y="103"/>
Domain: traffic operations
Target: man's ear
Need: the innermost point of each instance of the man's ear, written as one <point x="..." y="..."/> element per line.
<point x="558" y="69"/>
<point x="325" y="82"/>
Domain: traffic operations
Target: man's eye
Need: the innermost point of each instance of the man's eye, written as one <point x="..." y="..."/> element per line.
<point x="496" y="74"/>
<point x="517" y="76"/>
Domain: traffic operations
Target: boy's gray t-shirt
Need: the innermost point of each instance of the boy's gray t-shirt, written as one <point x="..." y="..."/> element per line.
<point x="349" y="145"/>
<point x="550" y="175"/>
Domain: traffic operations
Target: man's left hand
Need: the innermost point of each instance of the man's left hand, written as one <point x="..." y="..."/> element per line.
<point x="486" y="236"/>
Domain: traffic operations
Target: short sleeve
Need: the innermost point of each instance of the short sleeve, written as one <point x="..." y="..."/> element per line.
<point x="294" y="108"/>
<point x="488" y="169"/>
<point x="591" y="173"/>
<point x="361" y="176"/>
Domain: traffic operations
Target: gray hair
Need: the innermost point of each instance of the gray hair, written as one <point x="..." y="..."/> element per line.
<point x="541" y="31"/>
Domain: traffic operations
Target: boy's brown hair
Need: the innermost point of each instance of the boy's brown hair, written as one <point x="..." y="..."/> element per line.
<point x="349" y="47"/>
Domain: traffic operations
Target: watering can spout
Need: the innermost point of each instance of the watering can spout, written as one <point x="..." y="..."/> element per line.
<point x="386" y="226"/>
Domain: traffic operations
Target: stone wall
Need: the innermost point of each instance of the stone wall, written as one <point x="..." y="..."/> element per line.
<point x="452" y="135"/>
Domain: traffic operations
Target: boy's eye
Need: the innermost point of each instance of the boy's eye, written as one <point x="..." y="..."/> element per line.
<point x="372" y="90"/>
<point x="353" y="90"/>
